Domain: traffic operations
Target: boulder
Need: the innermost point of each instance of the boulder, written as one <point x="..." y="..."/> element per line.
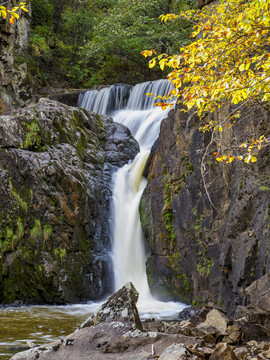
<point x="254" y="319"/>
<point x="174" y="352"/>
<point x="121" y="305"/>
<point x="223" y="351"/>
<point x="216" y="320"/>
<point x="198" y="314"/>
<point x="254" y="322"/>
<point x="56" y="165"/>
<point x="258" y="293"/>
<point x="235" y="335"/>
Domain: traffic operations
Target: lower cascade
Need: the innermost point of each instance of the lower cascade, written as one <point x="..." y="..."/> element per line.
<point x="136" y="111"/>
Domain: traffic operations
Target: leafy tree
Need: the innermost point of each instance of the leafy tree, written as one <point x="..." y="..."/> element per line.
<point x="127" y="27"/>
<point x="93" y="42"/>
<point x="227" y="63"/>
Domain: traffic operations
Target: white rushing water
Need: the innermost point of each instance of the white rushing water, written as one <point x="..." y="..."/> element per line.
<point x="128" y="246"/>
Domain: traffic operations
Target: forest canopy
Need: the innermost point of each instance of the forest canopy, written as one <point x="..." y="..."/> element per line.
<point x="92" y="42"/>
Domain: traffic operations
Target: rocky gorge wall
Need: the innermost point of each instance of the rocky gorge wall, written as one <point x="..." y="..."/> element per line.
<point x="56" y="164"/>
<point x="199" y="252"/>
<point x="15" y="82"/>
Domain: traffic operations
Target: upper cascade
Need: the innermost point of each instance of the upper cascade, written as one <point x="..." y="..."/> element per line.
<point x="106" y="100"/>
<point x="121" y="96"/>
<point x="131" y="107"/>
<point x="138" y="99"/>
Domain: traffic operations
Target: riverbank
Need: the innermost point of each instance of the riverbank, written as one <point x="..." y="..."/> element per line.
<point x="116" y="332"/>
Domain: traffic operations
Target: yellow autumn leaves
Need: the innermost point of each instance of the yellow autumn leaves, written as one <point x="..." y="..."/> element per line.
<point x="13" y="13"/>
<point x="250" y="155"/>
<point x="228" y="62"/>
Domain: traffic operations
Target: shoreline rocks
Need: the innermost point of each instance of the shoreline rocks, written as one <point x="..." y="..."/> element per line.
<point x="112" y="335"/>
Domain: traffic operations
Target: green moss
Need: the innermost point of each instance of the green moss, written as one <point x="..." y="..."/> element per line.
<point x="47" y="230"/>
<point x="81" y="146"/>
<point x="60" y="253"/>
<point x="264" y="188"/>
<point x="100" y="123"/>
<point x="143" y="215"/>
<point x="36" y="231"/>
<point x="14" y="193"/>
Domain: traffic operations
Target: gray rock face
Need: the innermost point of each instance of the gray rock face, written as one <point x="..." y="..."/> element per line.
<point x="206" y="253"/>
<point x="56" y="164"/>
<point x="15" y="85"/>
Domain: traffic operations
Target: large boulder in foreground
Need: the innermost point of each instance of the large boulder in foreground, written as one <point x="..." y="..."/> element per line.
<point x="56" y="164"/>
<point x="121" y="306"/>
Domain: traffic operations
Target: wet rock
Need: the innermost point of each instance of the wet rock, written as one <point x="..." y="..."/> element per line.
<point x="223" y="351"/>
<point x="187" y="313"/>
<point x="56" y="166"/>
<point x="121" y="304"/>
<point x="68" y="97"/>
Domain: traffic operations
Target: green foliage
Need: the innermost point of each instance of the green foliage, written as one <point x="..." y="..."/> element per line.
<point x="32" y="138"/>
<point x="42" y="13"/>
<point x="31" y="134"/>
<point x="90" y="42"/>
<point x="61" y="252"/>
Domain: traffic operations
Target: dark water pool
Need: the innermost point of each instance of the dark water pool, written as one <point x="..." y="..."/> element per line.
<point x="38" y="324"/>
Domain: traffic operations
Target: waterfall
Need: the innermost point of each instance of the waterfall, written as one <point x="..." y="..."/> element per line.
<point x="106" y="100"/>
<point x="128" y="246"/>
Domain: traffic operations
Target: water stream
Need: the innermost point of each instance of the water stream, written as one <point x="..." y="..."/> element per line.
<point x="137" y="112"/>
<point x="38" y="324"/>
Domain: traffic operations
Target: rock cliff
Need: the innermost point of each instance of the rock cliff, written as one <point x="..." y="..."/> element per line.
<point x="56" y="164"/>
<point x="206" y="253"/>
<point x="15" y="83"/>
